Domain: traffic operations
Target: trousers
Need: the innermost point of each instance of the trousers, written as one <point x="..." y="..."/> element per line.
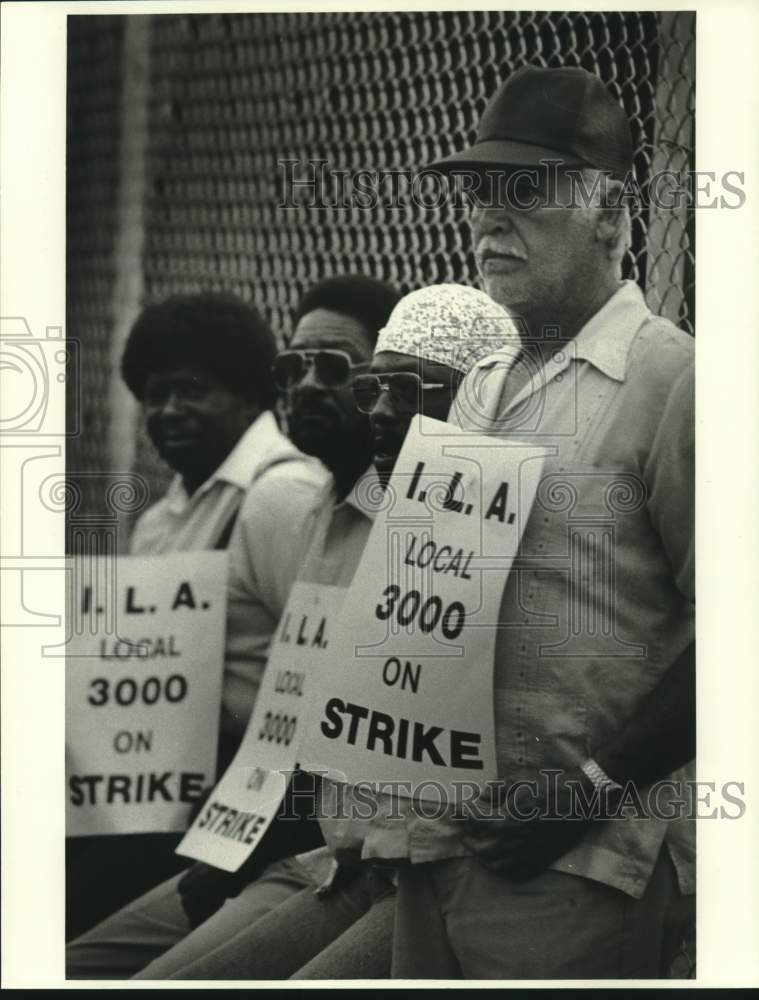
<point x="457" y="919"/>
<point x="152" y="935"/>
<point x="347" y="935"/>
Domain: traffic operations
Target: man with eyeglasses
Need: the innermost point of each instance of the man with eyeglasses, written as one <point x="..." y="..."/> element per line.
<point x="336" y="324"/>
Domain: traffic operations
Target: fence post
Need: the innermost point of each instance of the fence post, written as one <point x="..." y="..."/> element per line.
<point x="671" y="234"/>
<point x="130" y="232"/>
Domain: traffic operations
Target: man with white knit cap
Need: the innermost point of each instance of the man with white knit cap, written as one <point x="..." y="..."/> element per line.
<point x="432" y="339"/>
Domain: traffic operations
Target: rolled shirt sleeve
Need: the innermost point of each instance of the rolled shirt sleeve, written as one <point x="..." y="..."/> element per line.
<point x="670" y="475"/>
<point x="265" y="550"/>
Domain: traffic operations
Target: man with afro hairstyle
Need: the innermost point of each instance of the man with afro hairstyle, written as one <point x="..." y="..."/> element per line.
<point x="200" y="367"/>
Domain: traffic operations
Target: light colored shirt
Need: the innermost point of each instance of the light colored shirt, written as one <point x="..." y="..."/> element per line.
<point x="265" y="555"/>
<point x="181" y="523"/>
<point x="274" y="486"/>
<point x="600" y="601"/>
<point x="338" y="531"/>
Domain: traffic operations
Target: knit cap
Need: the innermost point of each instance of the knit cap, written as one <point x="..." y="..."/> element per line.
<point x="453" y="325"/>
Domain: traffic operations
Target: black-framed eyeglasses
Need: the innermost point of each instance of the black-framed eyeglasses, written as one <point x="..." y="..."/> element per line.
<point x="334" y="369"/>
<point x="405" y="390"/>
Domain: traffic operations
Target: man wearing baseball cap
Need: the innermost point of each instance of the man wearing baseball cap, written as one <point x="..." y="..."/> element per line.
<point x="594" y="661"/>
<point x="541" y="114"/>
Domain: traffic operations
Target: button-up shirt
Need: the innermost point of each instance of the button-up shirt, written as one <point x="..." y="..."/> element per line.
<point x="181" y="523"/>
<point x="338" y="531"/>
<point x="600" y="601"/>
<point x="274" y="486"/>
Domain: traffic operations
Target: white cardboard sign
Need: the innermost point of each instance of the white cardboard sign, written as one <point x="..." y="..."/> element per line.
<point x="408" y="694"/>
<point x="243" y="804"/>
<point x="143" y="689"/>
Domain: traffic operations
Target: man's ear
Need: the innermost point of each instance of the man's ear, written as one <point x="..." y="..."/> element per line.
<point x="613" y="230"/>
<point x="607" y="222"/>
<point x="252" y="410"/>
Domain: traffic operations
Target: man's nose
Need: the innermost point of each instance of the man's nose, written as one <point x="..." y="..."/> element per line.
<point x="174" y="403"/>
<point x="306" y="389"/>
<point x="486" y="219"/>
<point x="383" y="410"/>
<point x="310" y="379"/>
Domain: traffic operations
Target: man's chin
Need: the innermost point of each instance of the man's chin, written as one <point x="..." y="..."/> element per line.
<point x="309" y="440"/>
<point x="312" y="433"/>
<point x="384" y="464"/>
<point x="180" y="455"/>
<point x="507" y="290"/>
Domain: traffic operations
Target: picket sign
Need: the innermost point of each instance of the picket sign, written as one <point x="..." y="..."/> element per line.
<point x="243" y="804"/>
<point x="407" y="694"/>
<point x="144" y="661"/>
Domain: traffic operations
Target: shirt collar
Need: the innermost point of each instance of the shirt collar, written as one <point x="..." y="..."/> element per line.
<point x="367" y="495"/>
<point x="176" y="496"/>
<point x="606" y="338"/>
<point x="252" y="452"/>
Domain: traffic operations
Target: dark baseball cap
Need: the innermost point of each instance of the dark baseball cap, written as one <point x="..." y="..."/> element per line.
<point x="539" y="114"/>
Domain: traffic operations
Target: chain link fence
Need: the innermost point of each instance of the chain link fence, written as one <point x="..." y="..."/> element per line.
<point x="94" y="87"/>
<point x="230" y="96"/>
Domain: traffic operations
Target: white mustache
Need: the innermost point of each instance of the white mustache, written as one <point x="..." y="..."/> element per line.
<point x="509" y="250"/>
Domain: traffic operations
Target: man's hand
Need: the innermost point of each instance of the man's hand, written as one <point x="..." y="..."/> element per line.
<point x="530" y="827"/>
<point x="197" y="806"/>
<point x="520" y="833"/>
<point x="203" y="889"/>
